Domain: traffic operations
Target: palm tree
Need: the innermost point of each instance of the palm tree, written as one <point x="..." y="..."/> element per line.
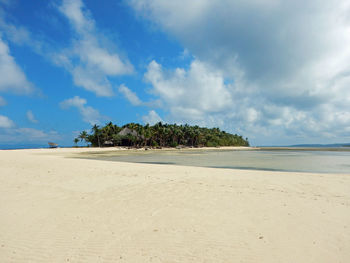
<point x="76" y="140"/>
<point x="147" y="133"/>
<point x="161" y="135"/>
<point x="83" y="136"/>
<point x="95" y="129"/>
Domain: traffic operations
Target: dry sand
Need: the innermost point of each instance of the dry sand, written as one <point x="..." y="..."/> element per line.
<point x="59" y="209"/>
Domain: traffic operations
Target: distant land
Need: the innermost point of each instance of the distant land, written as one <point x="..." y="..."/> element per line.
<point x="306" y="145"/>
<point x="22" y="146"/>
<point x="322" y="145"/>
<point x="26" y="146"/>
<point x="45" y="145"/>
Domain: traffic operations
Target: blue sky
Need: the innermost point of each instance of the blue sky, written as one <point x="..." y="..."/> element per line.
<point x="274" y="71"/>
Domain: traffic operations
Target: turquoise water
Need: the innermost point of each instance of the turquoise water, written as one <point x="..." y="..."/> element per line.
<point x="319" y="161"/>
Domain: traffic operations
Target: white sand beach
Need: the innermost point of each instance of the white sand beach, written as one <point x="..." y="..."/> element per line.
<point x="59" y="209"/>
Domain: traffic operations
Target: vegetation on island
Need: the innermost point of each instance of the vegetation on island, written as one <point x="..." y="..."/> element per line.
<point x="159" y="135"/>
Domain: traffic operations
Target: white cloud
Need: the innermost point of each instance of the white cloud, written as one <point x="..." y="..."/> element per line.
<point x="2" y="102"/>
<point x="31" y="134"/>
<point x="152" y="118"/>
<point x="31" y="117"/>
<point x="12" y="134"/>
<point x="89" y="114"/>
<point x="5" y="122"/>
<point x="136" y="101"/>
<point x="21" y="35"/>
<point x="12" y="78"/>
<point x="18" y="35"/>
<point x="90" y="60"/>
<point x="190" y="94"/>
<point x="287" y="63"/>
<point x="130" y="95"/>
<point x="19" y="135"/>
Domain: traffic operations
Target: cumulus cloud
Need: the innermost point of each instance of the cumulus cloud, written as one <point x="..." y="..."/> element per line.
<point x="264" y="38"/>
<point x="89" y="114"/>
<point x="152" y="118"/>
<point x="191" y="94"/>
<point x="130" y="95"/>
<point x="31" y="117"/>
<point x="284" y="64"/>
<point x="5" y="122"/>
<point x="12" y="78"/>
<point x="90" y="60"/>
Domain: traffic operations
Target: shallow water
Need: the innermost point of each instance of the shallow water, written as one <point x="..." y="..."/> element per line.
<point x="318" y="161"/>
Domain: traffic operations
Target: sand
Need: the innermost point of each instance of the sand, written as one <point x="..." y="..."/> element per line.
<point x="60" y="209"/>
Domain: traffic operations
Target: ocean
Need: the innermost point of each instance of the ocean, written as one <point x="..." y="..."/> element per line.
<point x="335" y="160"/>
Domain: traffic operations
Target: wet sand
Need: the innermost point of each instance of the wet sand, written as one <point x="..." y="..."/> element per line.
<point x="60" y="209"/>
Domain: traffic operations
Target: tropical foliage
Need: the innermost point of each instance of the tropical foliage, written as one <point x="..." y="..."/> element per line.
<point x="159" y="135"/>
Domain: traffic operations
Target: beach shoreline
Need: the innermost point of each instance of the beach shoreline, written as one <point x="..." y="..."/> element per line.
<point x="57" y="208"/>
<point x="125" y="148"/>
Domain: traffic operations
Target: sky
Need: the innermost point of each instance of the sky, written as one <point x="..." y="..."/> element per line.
<point x="277" y="72"/>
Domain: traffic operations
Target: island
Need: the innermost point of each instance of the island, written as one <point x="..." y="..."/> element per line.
<point x="159" y="135"/>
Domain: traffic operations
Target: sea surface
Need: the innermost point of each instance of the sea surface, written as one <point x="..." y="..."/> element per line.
<point x="280" y="159"/>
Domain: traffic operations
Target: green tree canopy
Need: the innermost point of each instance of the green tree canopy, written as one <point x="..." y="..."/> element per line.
<point x="160" y="134"/>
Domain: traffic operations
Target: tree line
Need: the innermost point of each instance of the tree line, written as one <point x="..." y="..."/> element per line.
<point x="159" y="135"/>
